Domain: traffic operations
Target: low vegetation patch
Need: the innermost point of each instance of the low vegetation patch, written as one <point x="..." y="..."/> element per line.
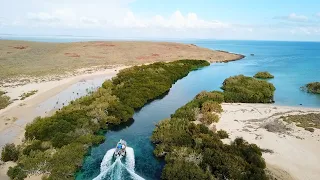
<point x="28" y="94"/>
<point x="313" y="87"/>
<point x="16" y="173"/>
<point x="9" y="153"/>
<point x="223" y="134"/>
<point x="2" y="93"/>
<point x="56" y="145"/>
<point x="4" y="100"/>
<point x="194" y="152"/>
<point x="276" y="126"/>
<point x="263" y="75"/>
<point x="306" y="121"/>
<point x="244" y="89"/>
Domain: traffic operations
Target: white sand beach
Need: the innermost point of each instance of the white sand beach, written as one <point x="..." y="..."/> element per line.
<point x="294" y="151"/>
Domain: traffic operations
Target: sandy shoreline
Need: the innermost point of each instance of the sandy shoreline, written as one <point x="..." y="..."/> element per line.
<point x="294" y="152"/>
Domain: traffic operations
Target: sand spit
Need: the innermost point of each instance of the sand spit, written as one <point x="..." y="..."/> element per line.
<point x="291" y="152"/>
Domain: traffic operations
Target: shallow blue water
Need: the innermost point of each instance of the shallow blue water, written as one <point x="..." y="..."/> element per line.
<point x="292" y="63"/>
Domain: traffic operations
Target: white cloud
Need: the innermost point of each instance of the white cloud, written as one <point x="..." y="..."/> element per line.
<point x="317" y="14"/>
<point x="293" y="17"/>
<point x="115" y="18"/>
<point x="42" y="17"/>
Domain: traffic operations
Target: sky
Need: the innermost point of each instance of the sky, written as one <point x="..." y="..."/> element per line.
<point x="287" y="20"/>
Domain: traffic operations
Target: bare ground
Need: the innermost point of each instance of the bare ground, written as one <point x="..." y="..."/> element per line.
<point x="23" y="58"/>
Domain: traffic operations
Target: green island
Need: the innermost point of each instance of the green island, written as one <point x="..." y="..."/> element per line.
<point x="263" y="75"/>
<point x="245" y="89"/>
<point x="313" y="87"/>
<point x="55" y="146"/>
<point x="4" y="100"/>
<point x="193" y="151"/>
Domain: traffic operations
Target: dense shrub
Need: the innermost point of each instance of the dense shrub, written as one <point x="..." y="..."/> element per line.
<point x="263" y="75"/>
<point x="216" y="96"/>
<point x="188" y="112"/>
<point x="9" y="153"/>
<point x="209" y="118"/>
<point x="2" y="93"/>
<point x="211" y="106"/>
<point x="4" y="101"/>
<point x="182" y="170"/>
<point x="194" y="152"/>
<point x="247" y="90"/>
<point x="153" y="80"/>
<point x="313" y="87"/>
<point x="34" y="146"/>
<point x="16" y="173"/>
<point x="222" y="134"/>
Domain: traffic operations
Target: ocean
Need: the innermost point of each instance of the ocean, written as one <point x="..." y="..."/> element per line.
<point x="292" y="63"/>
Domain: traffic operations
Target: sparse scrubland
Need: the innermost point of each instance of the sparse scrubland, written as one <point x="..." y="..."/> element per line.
<point x="192" y="151"/>
<point x="28" y="94"/>
<point x="263" y="75"/>
<point x="56" y="145"/>
<point x="37" y="59"/>
<point x="306" y="121"/>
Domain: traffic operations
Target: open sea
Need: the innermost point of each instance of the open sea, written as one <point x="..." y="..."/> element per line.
<point x="293" y="64"/>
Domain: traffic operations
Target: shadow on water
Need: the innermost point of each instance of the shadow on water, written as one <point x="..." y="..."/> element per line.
<point x="121" y="126"/>
<point x="152" y="100"/>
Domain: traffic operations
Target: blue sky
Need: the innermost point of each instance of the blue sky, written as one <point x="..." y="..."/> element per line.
<point x="293" y="20"/>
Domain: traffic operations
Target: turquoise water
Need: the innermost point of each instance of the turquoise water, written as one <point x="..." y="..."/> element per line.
<point x="292" y="63"/>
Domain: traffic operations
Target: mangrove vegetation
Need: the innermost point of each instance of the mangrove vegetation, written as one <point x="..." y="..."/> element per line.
<point x="192" y="149"/>
<point x="313" y="87"/>
<point x="263" y="75"/>
<point x="245" y="89"/>
<point x="55" y="145"/>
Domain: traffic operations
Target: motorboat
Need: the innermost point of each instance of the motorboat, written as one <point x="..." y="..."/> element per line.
<point x="120" y="149"/>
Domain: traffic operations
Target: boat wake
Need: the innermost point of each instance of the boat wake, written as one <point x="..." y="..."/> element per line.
<point x="112" y="168"/>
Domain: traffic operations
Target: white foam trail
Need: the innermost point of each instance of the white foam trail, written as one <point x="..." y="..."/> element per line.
<point x="130" y="161"/>
<point x="109" y="170"/>
<point x="116" y="172"/>
<point x="104" y="173"/>
<point x="134" y="175"/>
<point x="107" y="160"/>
